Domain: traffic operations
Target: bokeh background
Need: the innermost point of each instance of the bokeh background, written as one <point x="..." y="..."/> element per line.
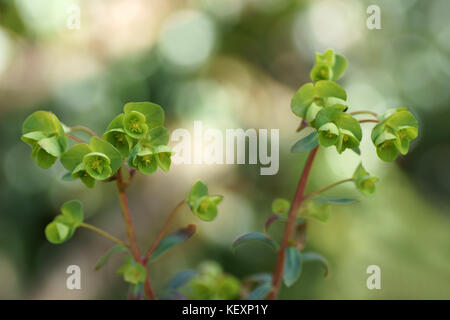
<point x="231" y="64"/>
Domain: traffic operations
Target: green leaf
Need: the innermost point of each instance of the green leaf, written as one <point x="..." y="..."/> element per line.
<point x="347" y="140"/>
<point x="51" y="145"/>
<point x="97" y="165"/>
<point x="329" y="114"/>
<point x="317" y="210"/>
<point x="347" y="122"/>
<point x="56" y="232"/>
<point x="364" y="181"/>
<point x="302" y="100"/>
<point x="180" y="279"/>
<point x="116" y="123"/>
<point x="292" y="266"/>
<point x="74" y="156"/>
<point x="102" y="146"/>
<point x="44" y="159"/>
<point x="67" y="176"/>
<point x="133" y="272"/>
<point x="154" y="114"/>
<point x="74" y="210"/>
<point x="163" y="156"/>
<point x="33" y="137"/>
<point x="321" y="71"/>
<point x="145" y="161"/>
<point x="328" y="134"/>
<point x="48" y="125"/>
<point x="260" y="292"/>
<point x="326" y="88"/>
<point x="357" y="150"/>
<point x="255" y="236"/>
<point x="328" y="57"/>
<point x="172" y="240"/>
<point x="307" y="143"/>
<point x="315" y="257"/>
<point x="119" y="140"/>
<point x="312" y="112"/>
<point x="339" y="67"/>
<point x="43" y="121"/>
<point x="157" y="136"/>
<point x="104" y="259"/>
<point x="198" y="190"/>
<point x="134" y="125"/>
<point x="281" y="206"/>
<point x="206" y="207"/>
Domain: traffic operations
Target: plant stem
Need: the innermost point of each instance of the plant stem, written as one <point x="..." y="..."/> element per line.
<point x="316" y="193"/>
<point x="290" y="224"/>
<point x="365" y="112"/>
<point x="74" y="138"/>
<point x="163" y="231"/>
<point x="130" y="232"/>
<point x="103" y="233"/>
<point x="85" y="129"/>
<point x="369" y="120"/>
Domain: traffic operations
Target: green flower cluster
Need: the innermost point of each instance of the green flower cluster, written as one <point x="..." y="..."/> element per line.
<point x="393" y="134"/>
<point x="64" y="225"/>
<point x="364" y="182"/>
<point x="328" y="66"/>
<point x="211" y="283"/>
<point x="203" y="205"/>
<point x="136" y="135"/>
<point x="46" y="136"/>
<point x="322" y="104"/>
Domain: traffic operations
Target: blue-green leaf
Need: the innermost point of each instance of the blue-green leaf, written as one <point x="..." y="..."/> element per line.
<point x="255" y="236"/>
<point x="180" y="279"/>
<point x="315" y="257"/>
<point x="334" y="200"/>
<point x="172" y="240"/>
<point x="292" y="266"/>
<point x="260" y="292"/>
<point x="307" y="143"/>
<point x="104" y="259"/>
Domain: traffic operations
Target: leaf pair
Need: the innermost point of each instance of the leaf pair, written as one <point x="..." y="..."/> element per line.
<point x="397" y="128"/>
<point x="43" y="131"/>
<point x="97" y="161"/>
<point x="64" y="225"/>
<point x="203" y="205"/>
<point x="328" y="66"/>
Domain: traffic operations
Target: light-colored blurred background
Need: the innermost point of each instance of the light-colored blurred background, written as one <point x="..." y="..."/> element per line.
<point x="229" y="63"/>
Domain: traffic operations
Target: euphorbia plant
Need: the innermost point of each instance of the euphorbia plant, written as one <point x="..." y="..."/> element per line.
<point x="135" y="140"/>
<point x="322" y="106"/>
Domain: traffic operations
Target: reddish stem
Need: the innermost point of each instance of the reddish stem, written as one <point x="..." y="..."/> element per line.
<point x="290" y="225"/>
<point x="121" y="186"/>
<point x="369" y="120"/>
<point x="162" y="232"/>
